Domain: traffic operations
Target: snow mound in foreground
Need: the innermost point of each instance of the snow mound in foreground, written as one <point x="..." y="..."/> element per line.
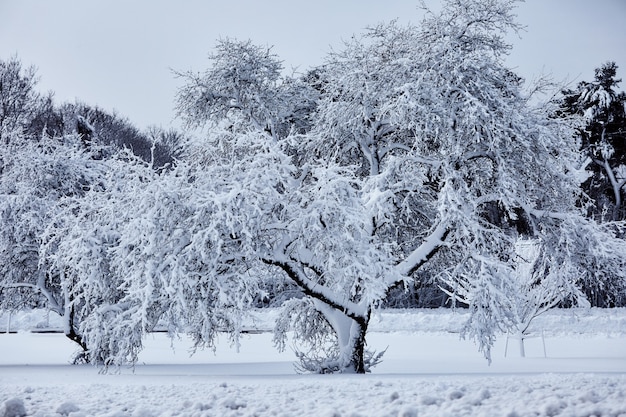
<point x="543" y="395"/>
<point x="13" y="408"/>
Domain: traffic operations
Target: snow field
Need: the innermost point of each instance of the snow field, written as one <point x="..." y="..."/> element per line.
<point x="425" y="372"/>
<point x="333" y="396"/>
<point x="576" y="321"/>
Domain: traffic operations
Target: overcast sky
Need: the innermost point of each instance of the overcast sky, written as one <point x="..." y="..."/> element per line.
<point x="118" y="54"/>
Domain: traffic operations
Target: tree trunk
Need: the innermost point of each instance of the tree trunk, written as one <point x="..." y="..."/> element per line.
<point x="351" y="334"/>
<point x="72" y="334"/>
<point x="358" y="355"/>
<point x="352" y="347"/>
<point x="75" y="337"/>
<point x="522" y="351"/>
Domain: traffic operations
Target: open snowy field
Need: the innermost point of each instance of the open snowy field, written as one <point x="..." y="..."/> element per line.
<point x="427" y="371"/>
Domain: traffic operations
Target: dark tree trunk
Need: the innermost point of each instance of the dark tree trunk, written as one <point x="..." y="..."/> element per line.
<point x="73" y="335"/>
<point x="358" y="356"/>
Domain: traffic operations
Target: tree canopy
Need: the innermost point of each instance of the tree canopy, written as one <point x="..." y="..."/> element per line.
<point x="412" y="153"/>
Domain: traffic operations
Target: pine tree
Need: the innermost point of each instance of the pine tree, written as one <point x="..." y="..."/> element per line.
<point x="603" y="139"/>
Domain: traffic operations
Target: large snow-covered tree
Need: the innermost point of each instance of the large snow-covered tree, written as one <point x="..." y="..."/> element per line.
<point x="412" y="151"/>
<point x="419" y="135"/>
<point x="441" y="135"/>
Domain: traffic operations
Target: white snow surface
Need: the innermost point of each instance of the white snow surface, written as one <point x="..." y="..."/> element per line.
<point x="427" y="371"/>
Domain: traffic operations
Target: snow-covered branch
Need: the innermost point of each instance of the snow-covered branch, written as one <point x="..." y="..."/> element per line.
<point x="425" y="251"/>
<point x="318" y="291"/>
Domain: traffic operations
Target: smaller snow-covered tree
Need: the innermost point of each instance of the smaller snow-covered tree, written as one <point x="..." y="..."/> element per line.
<point x="76" y="246"/>
<point x="603" y="136"/>
<point x="33" y="184"/>
<point x="550" y="268"/>
<point x="157" y="264"/>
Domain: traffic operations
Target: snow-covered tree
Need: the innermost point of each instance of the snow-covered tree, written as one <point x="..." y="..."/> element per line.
<point x="603" y="138"/>
<point x="142" y="250"/>
<point x="602" y="135"/>
<point x="439" y="133"/>
<point x="89" y="243"/>
<point x="420" y="134"/>
<point x="549" y="270"/>
<point x="35" y="179"/>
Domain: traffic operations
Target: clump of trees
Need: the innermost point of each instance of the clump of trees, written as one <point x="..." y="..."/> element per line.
<point x="49" y="155"/>
<point x="411" y="157"/>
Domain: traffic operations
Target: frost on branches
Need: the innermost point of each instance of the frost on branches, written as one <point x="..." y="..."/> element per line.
<point x="410" y="153"/>
<point x="422" y="156"/>
<point x="37" y="178"/>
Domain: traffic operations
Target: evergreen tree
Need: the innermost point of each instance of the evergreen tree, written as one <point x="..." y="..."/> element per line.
<point x="603" y="139"/>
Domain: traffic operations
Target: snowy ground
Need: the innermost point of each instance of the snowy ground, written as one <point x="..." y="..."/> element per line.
<point x="427" y="371"/>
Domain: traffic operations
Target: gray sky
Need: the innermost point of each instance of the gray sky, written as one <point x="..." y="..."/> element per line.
<point x="118" y="54"/>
